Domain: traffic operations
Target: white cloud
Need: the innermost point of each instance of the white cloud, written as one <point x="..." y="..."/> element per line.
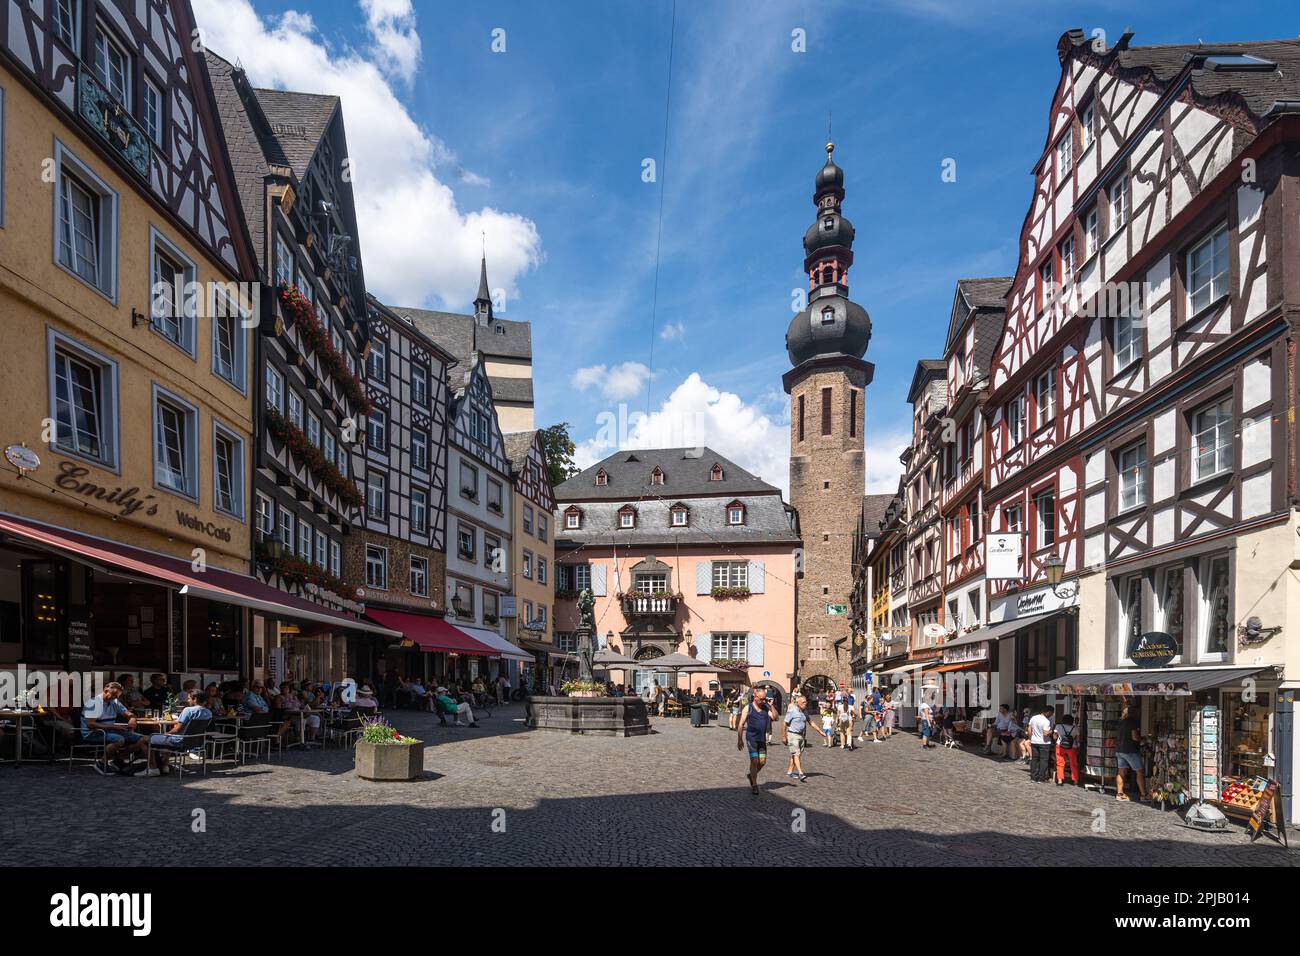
<point x="754" y="435"/>
<point x="673" y="331"/>
<point x="418" y="247"/>
<point x="625" y="380"/>
<point x="392" y="25"/>
<point x="697" y="414"/>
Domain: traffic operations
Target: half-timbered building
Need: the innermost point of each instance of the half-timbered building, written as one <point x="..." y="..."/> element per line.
<point x="533" y="581"/>
<point x="129" y="292"/>
<point x="397" y="550"/>
<point x="869" y="601"/>
<point x="290" y="154"/>
<point x="1142" y="436"/>
<point x="978" y="313"/>
<point x="922" y="477"/>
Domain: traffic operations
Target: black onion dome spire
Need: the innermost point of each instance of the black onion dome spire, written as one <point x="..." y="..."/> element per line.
<point x="832" y="324"/>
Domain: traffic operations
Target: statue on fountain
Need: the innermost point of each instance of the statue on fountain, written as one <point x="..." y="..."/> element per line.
<point x="586" y="635"/>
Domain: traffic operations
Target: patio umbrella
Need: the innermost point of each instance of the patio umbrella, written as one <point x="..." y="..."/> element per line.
<point x="614" y="659"/>
<point x="675" y="662"/>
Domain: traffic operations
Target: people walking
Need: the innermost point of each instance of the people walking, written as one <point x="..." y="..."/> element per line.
<point x="828" y="724"/>
<point x="844" y="722"/>
<point x="1040" y="740"/>
<point x="1128" y="755"/>
<point x="889" y="707"/>
<point x="1067" y="749"/>
<point x="925" y="715"/>
<point x="795" y="736"/>
<point x="751" y="734"/>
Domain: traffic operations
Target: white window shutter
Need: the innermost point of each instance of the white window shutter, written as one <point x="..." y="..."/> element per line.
<point x="757" y="577"/>
<point x="756" y="649"/>
<point x="703" y="577"/>
<point x="601" y="641"/>
<point x="704" y="644"/>
<point x="598" y="580"/>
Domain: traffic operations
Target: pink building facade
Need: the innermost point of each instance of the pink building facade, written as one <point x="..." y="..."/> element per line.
<point x="684" y="552"/>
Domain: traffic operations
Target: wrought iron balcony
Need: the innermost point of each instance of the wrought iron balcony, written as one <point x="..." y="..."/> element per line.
<point x="649" y="605"/>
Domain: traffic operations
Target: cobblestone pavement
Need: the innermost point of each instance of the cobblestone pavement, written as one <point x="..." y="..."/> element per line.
<point x="504" y="795"/>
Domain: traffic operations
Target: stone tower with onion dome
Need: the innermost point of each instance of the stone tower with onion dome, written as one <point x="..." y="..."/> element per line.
<point x="827" y="385"/>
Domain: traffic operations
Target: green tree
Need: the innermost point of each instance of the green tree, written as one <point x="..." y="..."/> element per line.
<point x="559" y="449"/>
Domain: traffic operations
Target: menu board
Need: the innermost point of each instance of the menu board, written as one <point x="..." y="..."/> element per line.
<point x="178" y="633"/>
<point x="81" y="646"/>
<point x="1203" y="753"/>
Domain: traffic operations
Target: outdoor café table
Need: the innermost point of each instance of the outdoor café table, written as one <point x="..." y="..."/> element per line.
<point x="301" y="716"/>
<point x="18" y="716"/>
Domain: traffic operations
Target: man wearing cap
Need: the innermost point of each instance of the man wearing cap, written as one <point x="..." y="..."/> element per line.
<point x="448" y="706"/>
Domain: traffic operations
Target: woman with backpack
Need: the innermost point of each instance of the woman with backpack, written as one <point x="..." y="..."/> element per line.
<point x="1067" y="749"/>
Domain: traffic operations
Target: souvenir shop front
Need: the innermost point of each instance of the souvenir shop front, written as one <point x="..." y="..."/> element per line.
<point x="1207" y="732"/>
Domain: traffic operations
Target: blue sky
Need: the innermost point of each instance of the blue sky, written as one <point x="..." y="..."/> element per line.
<point x="542" y="147"/>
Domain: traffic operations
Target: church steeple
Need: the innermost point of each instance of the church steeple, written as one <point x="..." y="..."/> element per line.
<point x="832" y="324"/>
<point x="483" y="302"/>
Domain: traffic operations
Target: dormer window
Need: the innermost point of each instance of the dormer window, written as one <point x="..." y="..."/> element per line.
<point x="657" y="476"/>
<point x="736" y="513"/>
<point x="828" y="223"/>
<point x="573" y="518"/>
<point x="627" y="517"/>
<point x="828" y="316"/>
<point x="715" y="473"/>
<point x="681" y="516"/>
<point x="602" y="478"/>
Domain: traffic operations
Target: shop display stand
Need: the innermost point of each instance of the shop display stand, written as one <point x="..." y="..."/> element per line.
<point x="1103" y="725"/>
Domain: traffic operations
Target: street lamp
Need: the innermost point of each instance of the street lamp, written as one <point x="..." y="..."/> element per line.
<point x="1054" y="567"/>
<point x="457" y="604"/>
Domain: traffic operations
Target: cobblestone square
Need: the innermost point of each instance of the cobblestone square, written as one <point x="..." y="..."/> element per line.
<point x="503" y="795"/>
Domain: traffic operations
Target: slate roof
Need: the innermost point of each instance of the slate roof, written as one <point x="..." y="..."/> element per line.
<point x="518" y="444"/>
<point x="986" y="293"/>
<point x="683" y="477"/>
<point x="873" y="513"/>
<point x="455" y="333"/>
<point x="508" y="389"/>
<point x="248" y="154"/>
<point x="926" y="369"/>
<point x="766" y="521"/>
<point x="298" y="122"/>
<point x="1259" y="90"/>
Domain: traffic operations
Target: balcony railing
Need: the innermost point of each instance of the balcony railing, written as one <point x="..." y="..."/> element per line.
<point x="649" y="605"/>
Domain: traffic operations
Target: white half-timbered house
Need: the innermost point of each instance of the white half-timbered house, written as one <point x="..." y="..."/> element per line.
<point x="1142" y="395"/>
<point x="922" y="476"/>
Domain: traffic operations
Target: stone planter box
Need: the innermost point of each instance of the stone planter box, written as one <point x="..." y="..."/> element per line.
<point x="389" y="761"/>
<point x="594" y="716"/>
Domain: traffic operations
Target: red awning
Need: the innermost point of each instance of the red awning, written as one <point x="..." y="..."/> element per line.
<point x="214" y="584"/>
<point x="432" y="633"/>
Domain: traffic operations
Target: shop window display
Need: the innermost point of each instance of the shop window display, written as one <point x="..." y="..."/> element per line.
<point x="1247" y="733"/>
<point x="1167" y="752"/>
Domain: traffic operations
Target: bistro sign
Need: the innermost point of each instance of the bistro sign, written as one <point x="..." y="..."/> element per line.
<point x="1153" y="649"/>
<point x="127" y="501"/>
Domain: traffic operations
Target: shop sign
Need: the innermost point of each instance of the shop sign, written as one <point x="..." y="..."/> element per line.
<point x="1042" y="600"/>
<point x="978" y="651"/>
<point x="1111" y="689"/>
<point x="837" y="610"/>
<point x="1002" y="557"/>
<point x="23" y="458"/>
<point x="508" y="606"/>
<point x="125" y="500"/>
<point x="1153" y="649"/>
<point x="195" y="523"/>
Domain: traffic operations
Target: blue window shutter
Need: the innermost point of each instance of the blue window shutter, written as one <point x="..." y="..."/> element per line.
<point x="756" y="649"/>
<point x="704" y="644"/>
<point x="757" y="577"/>
<point x="598" y="580"/>
<point x="703" y="577"/>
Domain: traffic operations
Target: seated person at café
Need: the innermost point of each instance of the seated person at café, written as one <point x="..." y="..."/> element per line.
<point x="162" y="745"/>
<point x="420" y="696"/>
<point x="291" y="704"/>
<point x="254" y="702"/>
<point x="212" y="698"/>
<point x="100" y="723"/>
<point x="366" y="699"/>
<point x="446" y="705"/>
<point x="131" y="696"/>
<point x="157" y="692"/>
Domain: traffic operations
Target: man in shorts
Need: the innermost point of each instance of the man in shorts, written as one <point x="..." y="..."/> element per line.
<point x="795" y="736"/>
<point x="751" y="734"/>
<point x="99" y="724"/>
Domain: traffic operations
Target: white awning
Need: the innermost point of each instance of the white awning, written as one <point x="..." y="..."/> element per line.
<point x="495" y="641"/>
<point x="905" y="668"/>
